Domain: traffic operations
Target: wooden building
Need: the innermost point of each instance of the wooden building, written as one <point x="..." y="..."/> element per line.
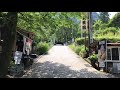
<point x="20" y="34"/>
<point x="112" y="60"/>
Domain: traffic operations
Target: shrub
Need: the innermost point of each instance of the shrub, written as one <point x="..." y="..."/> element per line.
<point x="93" y="57"/>
<point x="110" y="29"/>
<point x="72" y="46"/>
<point x="80" y="41"/>
<point x="83" y="51"/>
<point x="42" y="47"/>
<point x="77" y="49"/>
<point x="109" y="38"/>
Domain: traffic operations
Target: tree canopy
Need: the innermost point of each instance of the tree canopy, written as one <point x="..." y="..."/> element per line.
<point x="104" y="17"/>
<point x="115" y="21"/>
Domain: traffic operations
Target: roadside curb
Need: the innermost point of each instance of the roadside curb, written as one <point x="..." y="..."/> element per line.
<point x="87" y="60"/>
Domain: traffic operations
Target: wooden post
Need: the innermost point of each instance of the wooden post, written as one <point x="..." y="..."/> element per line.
<point x="90" y="31"/>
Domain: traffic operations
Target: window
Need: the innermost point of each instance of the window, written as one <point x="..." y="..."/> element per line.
<point x="84" y="22"/>
<point x="84" y="27"/>
<point x="108" y="54"/>
<point x="115" y="54"/>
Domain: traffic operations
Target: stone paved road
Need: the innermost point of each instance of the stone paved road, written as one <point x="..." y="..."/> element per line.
<point x="62" y="62"/>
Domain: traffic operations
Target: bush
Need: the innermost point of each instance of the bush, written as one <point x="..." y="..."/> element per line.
<point x="83" y="52"/>
<point x="112" y="39"/>
<point x="77" y="49"/>
<point x="42" y="47"/>
<point x="72" y="46"/>
<point x="80" y="41"/>
<point x="110" y="29"/>
<point x="93" y="57"/>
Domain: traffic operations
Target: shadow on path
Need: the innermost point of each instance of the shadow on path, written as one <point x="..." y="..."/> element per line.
<point x="56" y="70"/>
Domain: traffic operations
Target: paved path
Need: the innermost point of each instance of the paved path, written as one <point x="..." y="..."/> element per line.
<point x="62" y="62"/>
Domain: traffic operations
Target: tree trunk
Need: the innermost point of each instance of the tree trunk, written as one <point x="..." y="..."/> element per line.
<point x="9" y="34"/>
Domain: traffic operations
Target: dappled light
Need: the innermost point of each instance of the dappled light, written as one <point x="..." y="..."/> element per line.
<point x="56" y="70"/>
<point x="63" y="63"/>
<point x="59" y="44"/>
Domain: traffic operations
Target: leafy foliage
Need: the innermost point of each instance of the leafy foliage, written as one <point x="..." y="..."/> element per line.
<point x="104" y="17"/>
<point x="93" y="57"/>
<point x="42" y="47"/>
<point x="79" y="49"/>
<point x="115" y="21"/>
<point x="51" y="25"/>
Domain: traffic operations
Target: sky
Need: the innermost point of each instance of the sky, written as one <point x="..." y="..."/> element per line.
<point x="112" y="14"/>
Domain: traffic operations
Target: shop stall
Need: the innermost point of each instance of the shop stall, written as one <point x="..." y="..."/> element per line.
<point x="112" y="60"/>
<point x="22" y="50"/>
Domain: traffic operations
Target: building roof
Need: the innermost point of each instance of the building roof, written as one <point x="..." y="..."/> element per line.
<point x="24" y="31"/>
<point x="113" y="44"/>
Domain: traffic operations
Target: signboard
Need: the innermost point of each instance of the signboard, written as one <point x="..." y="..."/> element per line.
<point x="101" y="64"/>
<point x="84" y="27"/>
<point x="84" y="24"/>
<point x="102" y="45"/>
<point x="18" y="57"/>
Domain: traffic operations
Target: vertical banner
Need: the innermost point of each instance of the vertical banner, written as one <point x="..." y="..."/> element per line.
<point x="28" y="46"/>
<point x="101" y="52"/>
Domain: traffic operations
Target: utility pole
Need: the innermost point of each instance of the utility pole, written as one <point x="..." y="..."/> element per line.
<point x="90" y="30"/>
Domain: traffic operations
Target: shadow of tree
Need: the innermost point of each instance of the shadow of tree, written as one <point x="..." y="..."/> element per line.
<point x="56" y="70"/>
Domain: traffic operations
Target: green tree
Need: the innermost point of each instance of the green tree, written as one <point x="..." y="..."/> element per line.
<point x="115" y="21"/>
<point x="46" y="26"/>
<point x="9" y="25"/>
<point x="104" y="17"/>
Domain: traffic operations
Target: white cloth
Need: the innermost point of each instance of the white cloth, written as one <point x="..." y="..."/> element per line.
<point x="28" y="47"/>
<point x="18" y="57"/>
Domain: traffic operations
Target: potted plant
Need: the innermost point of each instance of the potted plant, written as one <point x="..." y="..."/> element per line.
<point x="93" y="58"/>
<point x="83" y="53"/>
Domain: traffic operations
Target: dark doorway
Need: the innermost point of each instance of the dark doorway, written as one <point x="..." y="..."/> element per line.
<point x="115" y="54"/>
